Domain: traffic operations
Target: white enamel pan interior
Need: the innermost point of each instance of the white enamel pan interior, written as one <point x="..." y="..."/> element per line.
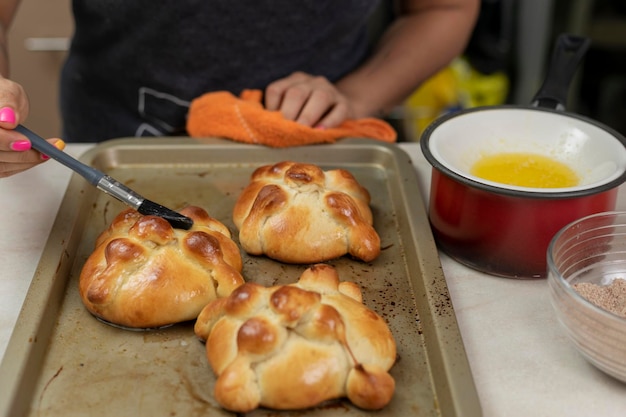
<point x="595" y="152"/>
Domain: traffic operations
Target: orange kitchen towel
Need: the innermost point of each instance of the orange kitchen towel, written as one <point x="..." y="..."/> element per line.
<point x="244" y="119"/>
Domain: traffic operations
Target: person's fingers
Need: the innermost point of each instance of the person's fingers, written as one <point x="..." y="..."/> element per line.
<point x="7" y="117"/>
<point x="7" y="170"/>
<point x="309" y="100"/>
<point x="316" y="106"/>
<point x="17" y="145"/>
<point x="20" y="157"/>
<point x="14" y="106"/>
<point x="333" y="118"/>
<point x="275" y="91"/>
<point x="58" y="143"/>
<point x="13" y="141"/>
<point x="9" y="139"/>
<point x="16" y="153"/>
<point x="274" y="95"/>
<point x="294" y="100"/>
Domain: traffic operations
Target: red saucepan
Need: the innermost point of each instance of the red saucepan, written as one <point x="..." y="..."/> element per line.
<point x="504" y="229"/>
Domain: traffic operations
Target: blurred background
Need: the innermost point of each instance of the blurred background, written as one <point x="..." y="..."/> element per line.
<point x="505" y="61"/>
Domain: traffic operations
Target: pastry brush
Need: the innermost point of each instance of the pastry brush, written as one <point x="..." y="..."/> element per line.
<point x="106" y="183"/>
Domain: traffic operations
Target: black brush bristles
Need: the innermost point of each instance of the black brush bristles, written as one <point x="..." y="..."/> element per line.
<point x="177" y="220"/>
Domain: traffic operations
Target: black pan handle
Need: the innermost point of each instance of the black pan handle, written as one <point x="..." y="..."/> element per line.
<point x="567" y="55"/>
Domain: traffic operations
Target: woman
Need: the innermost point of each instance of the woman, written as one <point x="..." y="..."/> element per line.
<point x="134" y="66"/>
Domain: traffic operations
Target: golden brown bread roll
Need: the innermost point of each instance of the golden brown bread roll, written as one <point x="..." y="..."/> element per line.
<point x="295" y="346"/>
<point x="298" y="213"/>
<point x="143" y="273"/>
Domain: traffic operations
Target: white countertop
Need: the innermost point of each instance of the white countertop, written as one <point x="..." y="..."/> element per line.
<point x="522" y="362"/>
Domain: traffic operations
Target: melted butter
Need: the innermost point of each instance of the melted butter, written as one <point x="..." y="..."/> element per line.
<point x="525" y="170"/>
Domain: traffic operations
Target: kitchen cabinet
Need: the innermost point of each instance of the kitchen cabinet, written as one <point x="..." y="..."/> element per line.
<point x="38" y="40"/>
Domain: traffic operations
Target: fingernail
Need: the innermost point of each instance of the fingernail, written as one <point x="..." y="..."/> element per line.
<point x="320" y="127"/>
<point x="59" y="144"/>
<point x="20" y="145"/>
<point x="7" y="115"/>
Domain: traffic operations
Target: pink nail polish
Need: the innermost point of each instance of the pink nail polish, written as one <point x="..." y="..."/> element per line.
<point x="7" y="115"/>
<point x="20" y="145"/>
<point x="44" y="157"/>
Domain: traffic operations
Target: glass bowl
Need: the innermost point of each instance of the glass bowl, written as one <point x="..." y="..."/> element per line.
<point x="588" y="256"/>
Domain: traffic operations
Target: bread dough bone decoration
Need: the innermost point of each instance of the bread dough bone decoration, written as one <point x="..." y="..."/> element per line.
<point x="297" y="213"/>
<point x="295" y="346"/>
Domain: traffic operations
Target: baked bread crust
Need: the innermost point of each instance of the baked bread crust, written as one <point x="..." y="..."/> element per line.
<point x="295" y="346"/>
<point x="145" y="274"/>
<point x="298" y="213"/>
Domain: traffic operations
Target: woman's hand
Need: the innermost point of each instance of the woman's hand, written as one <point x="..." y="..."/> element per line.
<point x="16" y="154"/>
<point x="309" y="100"/>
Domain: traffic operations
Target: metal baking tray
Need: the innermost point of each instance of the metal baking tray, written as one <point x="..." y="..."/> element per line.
<point x="61" y="361"/>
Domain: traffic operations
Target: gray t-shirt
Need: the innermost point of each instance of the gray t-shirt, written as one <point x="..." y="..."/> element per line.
<point x="135" y="65"/>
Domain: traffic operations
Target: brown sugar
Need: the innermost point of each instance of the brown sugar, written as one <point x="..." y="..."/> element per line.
<point x="610" y="297"/>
